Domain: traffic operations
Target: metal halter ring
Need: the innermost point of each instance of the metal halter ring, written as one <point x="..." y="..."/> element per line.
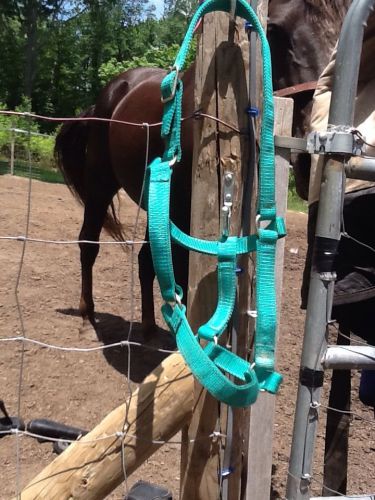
<point x="176" y="301"/>
<point x="174" y="86"/>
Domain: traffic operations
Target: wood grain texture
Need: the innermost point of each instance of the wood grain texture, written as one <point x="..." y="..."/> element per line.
<point x="90" y="469"/>
<point x="262" y="412"/>
<point x="221" y="90"/>
<point x="200" y="459"/>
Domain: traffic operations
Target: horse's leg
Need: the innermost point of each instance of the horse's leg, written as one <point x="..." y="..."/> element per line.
<point x="146" y="278"/>
<point x="181" y="217"/>
<point x="95" y="211"/>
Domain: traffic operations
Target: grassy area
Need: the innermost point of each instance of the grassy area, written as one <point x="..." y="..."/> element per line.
<point x="22" y="169"/>
<point x="295" y="203"/>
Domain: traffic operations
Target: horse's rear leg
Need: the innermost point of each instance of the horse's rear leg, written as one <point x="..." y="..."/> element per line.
<point x="94" y="216"/>
<point x="146" y="278"/>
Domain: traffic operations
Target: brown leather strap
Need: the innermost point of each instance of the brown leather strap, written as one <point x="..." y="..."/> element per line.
<point x="295" y="89"/>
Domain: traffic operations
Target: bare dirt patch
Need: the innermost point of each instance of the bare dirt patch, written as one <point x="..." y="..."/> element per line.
<point x="81" y="388"/>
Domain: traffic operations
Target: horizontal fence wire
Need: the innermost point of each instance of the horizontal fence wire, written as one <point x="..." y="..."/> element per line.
<point x="122" y="343"/>
<point x="73" y="242"/>
<point x="116" y="435"/>
<point x="25" y="167"/>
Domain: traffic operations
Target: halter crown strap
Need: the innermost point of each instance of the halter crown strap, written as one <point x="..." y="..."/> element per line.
<point x="210" y="363"/>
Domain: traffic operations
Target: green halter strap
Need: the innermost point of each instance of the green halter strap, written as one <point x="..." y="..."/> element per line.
<point x="211" y="364"/>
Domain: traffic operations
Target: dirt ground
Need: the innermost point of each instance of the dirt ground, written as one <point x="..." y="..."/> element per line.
<point x="81" y="388"/>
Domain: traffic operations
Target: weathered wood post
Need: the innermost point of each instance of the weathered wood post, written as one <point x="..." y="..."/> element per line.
<point x="12" y="144"/>
<point x="220" y="90"/>
<point x="262" y="413"/>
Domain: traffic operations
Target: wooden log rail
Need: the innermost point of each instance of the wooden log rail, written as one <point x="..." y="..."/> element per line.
<point x="91" y="468"/>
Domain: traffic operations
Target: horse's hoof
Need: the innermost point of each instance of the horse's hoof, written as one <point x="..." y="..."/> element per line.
<point x="87" y="331"/>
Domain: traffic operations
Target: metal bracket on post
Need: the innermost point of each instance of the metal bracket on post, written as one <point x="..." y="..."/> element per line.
<point x="338" y="139"/>
<point x="226" y="210"/>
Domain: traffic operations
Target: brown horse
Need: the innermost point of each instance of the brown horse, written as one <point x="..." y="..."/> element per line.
<point x="90" y="152"/>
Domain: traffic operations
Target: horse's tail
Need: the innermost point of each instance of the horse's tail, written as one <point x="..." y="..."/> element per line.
<point x="70" y="155"/>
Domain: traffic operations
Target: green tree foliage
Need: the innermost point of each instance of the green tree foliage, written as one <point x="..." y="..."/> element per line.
<point x="24" y="133"/>
<point x="59" y="53"/>
<point x="160" y="57"/>
<point x="157" y="41"/>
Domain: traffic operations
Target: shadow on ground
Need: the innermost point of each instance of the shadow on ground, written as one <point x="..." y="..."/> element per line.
<point x="141" y="360"/>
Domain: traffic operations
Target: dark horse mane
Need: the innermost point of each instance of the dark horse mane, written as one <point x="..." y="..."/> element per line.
<point x="328" y="16"/>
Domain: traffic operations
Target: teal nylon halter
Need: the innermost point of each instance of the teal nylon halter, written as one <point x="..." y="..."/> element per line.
<point x="213" y="363"/>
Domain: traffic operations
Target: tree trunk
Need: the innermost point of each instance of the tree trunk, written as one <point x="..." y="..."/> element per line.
<point x="30" y="21"/>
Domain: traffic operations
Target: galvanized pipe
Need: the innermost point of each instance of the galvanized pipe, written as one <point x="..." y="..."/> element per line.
<point x="344" y="91"/>
<point x="314" y="345"/>
<point x="351" y="497"/>
<point x="363" y="170"/>
<point x="326" y="241"/>
<point x="349" y="357"/>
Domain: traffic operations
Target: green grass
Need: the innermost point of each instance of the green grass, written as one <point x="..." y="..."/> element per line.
<point x="22" y="169"/>
<point x="295" y="203"/>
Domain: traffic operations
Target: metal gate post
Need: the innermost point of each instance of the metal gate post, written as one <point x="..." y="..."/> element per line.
<point x="336" y="151"/>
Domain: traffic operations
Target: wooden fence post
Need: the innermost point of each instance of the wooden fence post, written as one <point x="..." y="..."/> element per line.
<point x="221" y="90"/>
<point x="262" y="413"/>
<point x="12" y="144"/>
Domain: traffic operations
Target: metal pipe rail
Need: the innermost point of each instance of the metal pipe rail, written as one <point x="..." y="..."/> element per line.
<point x="327" y="236"/>
<point x="349" y="358"/>
<point x="350" y="497"/>
<point x="363" y="170"/>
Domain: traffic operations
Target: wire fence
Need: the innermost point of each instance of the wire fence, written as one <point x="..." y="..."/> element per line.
<point x="24" y="335"/>
<point x="23" y="150"/>
<point x="27" y="337"/>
